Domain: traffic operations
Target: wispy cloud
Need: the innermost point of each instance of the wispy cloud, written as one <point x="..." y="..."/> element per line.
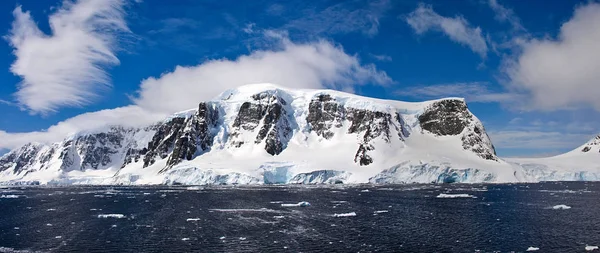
<point x="471" y="91"/>
<point x="66" y="67"/>
<point x="537" y="139"/>
<point x="346" y="17"/>
<point x="504" y="14"/>
<point x="6" y="102"/>
<point x="458" y="29"/>
<point x="381" y="57"/>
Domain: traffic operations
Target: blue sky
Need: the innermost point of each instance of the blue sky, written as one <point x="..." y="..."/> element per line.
<point x="526" y="68"/>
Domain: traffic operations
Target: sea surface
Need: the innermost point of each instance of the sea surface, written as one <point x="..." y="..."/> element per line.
<point x="554" y="217"/>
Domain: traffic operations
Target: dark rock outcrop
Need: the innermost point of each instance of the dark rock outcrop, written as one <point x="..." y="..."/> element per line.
<point x="324" y="113"/>
<point x="21" y="158"/>
<point x="452" y="117"/>
<point x="181" y="138"/>
<point x="445" y="117"/>
<point x="267" y="109"/>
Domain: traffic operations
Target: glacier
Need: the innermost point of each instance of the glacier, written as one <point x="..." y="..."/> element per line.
<point x="268" y="134"/>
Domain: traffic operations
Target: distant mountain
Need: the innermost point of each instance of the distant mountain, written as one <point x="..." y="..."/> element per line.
<point x="264" y="133"/>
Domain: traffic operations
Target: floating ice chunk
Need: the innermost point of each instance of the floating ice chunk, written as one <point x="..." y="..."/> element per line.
<point x="50" y="210"/>
<point x="16" y="228"/>
<point x="590" y="248"/>
<point x="10" y="196"/>
<point x="344" y="214"/>
<point x="276" y="202"/>
<point x="381" y="211"/>
<point x="533" y="249"/>
<point x="266" y="210"/>
<point x="365" y="190"/>
<point x="279" y="217"/>
<point x="561" y="207"/>
<point x="113" y="226"/>
<point x="49" y="225"/>
<point x="299" y="204"/>
<point x="193" y="219"/>
<point x="242" y="238"/>
<point x="452" y="196"/>
<point x="193" y="188"/>
<point x="58" y="237"/>
<point x="111" y="215"/>
<point x="185" y="239"/>
<point x="222" y="238"/>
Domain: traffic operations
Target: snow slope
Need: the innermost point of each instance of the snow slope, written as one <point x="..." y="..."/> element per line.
<point x="267" y="134"/>
<point x="580" y="164"/>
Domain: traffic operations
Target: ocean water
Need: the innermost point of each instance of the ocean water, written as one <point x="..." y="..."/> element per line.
<point x="365" y="218"/>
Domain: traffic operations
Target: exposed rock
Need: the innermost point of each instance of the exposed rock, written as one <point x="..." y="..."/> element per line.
<point x="197" y="136"/>
<point x="452" y="117"/>
<point x="324" y="113"/>
<point x="163" y="140"/>
<point x="445" y="117"/>
<point x="269" y="110"/>
<point x="20" y="159"/>
<point x="361" y="156"/>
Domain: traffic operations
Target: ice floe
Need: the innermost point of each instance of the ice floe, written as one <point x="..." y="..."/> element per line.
<point x="381" y="211"/>
<point x="192" y="219"/>
<point x="452" y="196"/>
<point x="561" y="207"/>
<point x="533" y="249"/>
<point x="344" y="214"/>
<point x="10" y="196"/>
<point x="112" y="215"/>
<point x="590" y="248"/>
<point x="299" y="204"/>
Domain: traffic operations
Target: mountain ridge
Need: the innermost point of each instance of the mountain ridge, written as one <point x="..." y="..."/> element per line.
<point x="265" y="133"/>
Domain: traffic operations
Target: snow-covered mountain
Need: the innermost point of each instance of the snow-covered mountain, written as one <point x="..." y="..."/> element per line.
<point x="264" y="133"/>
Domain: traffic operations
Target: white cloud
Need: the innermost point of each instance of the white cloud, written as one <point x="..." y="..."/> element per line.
<point x="560" y="73"/>
<point x="128" y="116"/>
<point x="311" y="65"/>
<point x="472" y="92"/>
<point x="65" y="68"/>
<point x="458" y="29"/>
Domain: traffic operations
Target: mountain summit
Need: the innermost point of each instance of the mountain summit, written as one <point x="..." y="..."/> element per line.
<point x="264" y="133"/>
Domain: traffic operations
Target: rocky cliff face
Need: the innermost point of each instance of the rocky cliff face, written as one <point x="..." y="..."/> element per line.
<point x="452" y="117"/>
<point x="266" y="112"/>
<point x="268" y="119"/>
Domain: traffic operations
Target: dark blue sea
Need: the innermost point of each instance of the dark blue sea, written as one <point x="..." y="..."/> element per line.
<point x="554" y="217"/>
